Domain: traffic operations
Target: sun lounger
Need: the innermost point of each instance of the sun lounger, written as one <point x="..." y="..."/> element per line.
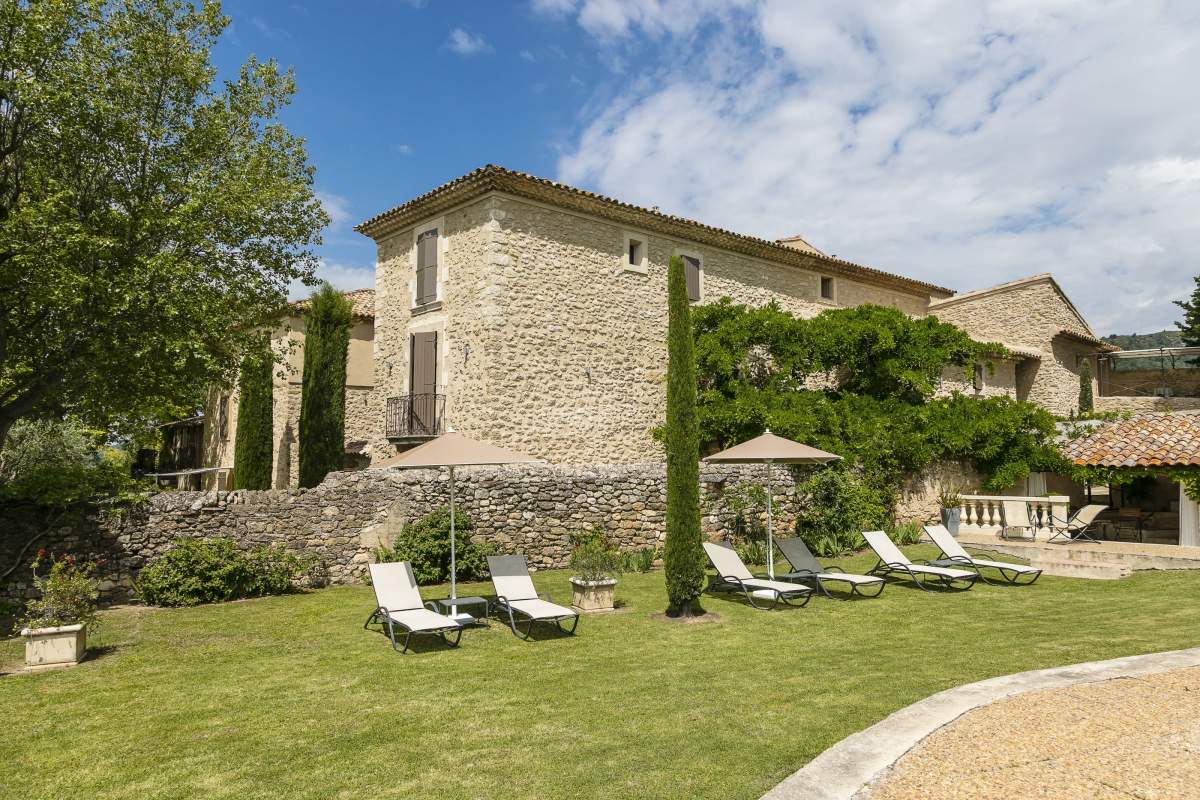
<point x="806" y="568"/>
<point x="732" y="575"/>
<point x="1077" y="526"/>
<point x="517" y="597"/>
<point x="1016" y="519"/>
<point x="956" y="555"/>
<point x="893" y="562"/>
<point x="398" y="604"/>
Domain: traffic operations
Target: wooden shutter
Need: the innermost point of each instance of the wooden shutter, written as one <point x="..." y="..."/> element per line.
<point x="423" y="363"/>
<point x="427" y="267"/>
<point x="691" y="267"/>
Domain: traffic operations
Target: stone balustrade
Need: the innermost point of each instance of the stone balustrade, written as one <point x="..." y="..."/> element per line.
<point x="985" y="512"/>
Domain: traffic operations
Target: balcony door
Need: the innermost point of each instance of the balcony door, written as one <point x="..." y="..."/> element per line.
<point x="423" y="382"/>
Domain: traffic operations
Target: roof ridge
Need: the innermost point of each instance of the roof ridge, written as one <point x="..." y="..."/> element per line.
<point x="488" y="177"/>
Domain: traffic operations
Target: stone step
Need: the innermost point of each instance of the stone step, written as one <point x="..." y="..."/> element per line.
<point x="1075" y="568"/>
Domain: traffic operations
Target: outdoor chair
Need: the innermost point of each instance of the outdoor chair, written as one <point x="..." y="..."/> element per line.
<point x="398" y="604"/>
<point x="1077" y="526"/>
<point x="957" y="555"/>
<point x="517" y="597"/>
<point x="1016" y="518"/>
<point x="923" y="574"/>
<point x="807" y="569"/>
<point x="733" y="576"/>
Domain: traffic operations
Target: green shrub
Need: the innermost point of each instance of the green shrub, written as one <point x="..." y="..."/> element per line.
<point x="426" y="544"/>
<point x="198" y="571"/>
<point x="592" y="558"/>
<point x="835" y="505"/>
<point x="639" y="560"/>
<point x="68" y="592"/>
<point x="906" y="533"/>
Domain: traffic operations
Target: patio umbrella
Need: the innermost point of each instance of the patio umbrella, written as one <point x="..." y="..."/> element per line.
<point x="771" y="449"/>
<point x="451" y="450"/>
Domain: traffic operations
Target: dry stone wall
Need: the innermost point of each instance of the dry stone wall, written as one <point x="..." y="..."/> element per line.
<point x="532" y="511"/>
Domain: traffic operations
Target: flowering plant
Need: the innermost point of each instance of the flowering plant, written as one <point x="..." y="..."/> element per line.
<point x="68" y="588"/>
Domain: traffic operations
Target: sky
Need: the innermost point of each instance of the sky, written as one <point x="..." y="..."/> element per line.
<point x="965" y="144"/>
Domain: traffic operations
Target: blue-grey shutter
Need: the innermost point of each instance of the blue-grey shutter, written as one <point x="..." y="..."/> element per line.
<point x="691" y="267"/>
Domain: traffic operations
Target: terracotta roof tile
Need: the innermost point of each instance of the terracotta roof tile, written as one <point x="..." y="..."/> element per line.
<point x="361" y="300"/>
<point x="1143" y="440"/>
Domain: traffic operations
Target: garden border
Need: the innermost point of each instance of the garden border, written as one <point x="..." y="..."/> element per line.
<point x="849" y="769"/>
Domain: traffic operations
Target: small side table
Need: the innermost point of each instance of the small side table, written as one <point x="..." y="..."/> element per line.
<point x="448" y="605"/>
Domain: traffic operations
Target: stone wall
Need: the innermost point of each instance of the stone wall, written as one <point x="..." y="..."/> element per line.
<point x="1183" y="382"/>
<point x="1030" y="315"/>
<point x="1139" y="404"/>
<point x="528" y="510"/>
<point x="918" y="499"/>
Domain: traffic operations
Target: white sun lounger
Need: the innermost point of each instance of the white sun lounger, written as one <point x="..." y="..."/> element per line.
<point x="516" y="596"/>
<point x="956" y="554"/>
<point x="892" y="561"/>
<point x="1016" y="518"/>
<point x="398" y="603"/>
<point x="806" y="568"/>
<point x="733" y="576"/>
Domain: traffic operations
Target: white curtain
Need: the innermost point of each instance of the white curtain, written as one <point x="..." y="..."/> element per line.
<point x="1035" y="484"/>
<point x="1189" y="520"/>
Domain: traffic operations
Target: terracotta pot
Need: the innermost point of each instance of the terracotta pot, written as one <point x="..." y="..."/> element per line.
<point x="593" y="595"/>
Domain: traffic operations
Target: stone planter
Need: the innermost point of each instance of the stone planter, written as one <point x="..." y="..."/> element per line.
<point x="951" y="518"/>
<point x="593" y="595"/>
<point x="47" y="648"/>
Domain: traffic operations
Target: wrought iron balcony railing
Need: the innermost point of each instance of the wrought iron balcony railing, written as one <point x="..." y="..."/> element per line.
<point x="412" y="416"/>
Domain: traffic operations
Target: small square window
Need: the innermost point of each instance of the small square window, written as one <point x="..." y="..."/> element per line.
<point x="826" y="288"/>
<point x="636" y="253"/>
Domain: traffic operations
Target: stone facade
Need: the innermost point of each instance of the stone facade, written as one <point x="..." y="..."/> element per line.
<point x="364" y="420"/>
<point x="1183" y="381"/>
<point x="531" y="510"/>
<point x="1138" y="405"/>
<point x="1033" y="317"/>
<point x="548" y="342"/>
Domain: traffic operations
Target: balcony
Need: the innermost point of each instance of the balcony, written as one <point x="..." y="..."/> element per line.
<point x="412" y="417"/>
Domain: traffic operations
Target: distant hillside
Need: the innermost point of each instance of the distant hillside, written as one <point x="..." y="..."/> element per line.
<point x="1146" y="341"/>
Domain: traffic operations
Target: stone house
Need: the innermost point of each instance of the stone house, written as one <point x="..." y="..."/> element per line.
<point x="220" y="412"/>
<point x="532" y="314"/>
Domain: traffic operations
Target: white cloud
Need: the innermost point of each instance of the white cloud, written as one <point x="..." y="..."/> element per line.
<point x="268" y="30"/>
<point x="404" y="149"/>
<point x="527" y="56"/>
<point x="965" y="144"/>
<point x="337" y="207"/>
<point x="342" y="276"/>
<point x="467" y="44"/>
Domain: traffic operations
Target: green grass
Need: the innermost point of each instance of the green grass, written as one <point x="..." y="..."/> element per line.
<point x="289" y="697"/>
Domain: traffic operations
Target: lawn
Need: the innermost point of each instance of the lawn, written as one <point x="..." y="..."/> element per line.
<point x="289" y="697"/>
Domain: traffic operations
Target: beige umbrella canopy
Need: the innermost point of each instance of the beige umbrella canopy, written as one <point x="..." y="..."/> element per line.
<point x="451" y="450"/>
<point x="771" y="449"/>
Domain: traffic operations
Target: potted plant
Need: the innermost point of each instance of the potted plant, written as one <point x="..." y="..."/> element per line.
<point x="56" y="624"/>
<point x="950" y="500"/>
<point x="596" y="566"/>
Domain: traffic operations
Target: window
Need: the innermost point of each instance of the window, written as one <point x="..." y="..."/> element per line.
<point x="977" y="378"/>
<point x="427" y="263"/>
<point x="691" y="267"/>
<point x="826" y="288"/>
<point x="634" y="258"/>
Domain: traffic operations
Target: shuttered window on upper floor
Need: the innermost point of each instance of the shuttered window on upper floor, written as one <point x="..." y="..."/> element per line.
<point x="691" y="268"/>
<point x="427" y="263"/>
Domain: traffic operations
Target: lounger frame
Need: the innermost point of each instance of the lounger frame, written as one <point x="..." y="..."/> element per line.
<point x="502" y="604"/>
<point x="381" y="615"/>
<point x="732" y="583"/>
<point x="818" y="580"/>
<point x="1011" y="576"/>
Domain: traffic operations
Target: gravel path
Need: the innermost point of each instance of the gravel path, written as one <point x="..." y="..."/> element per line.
<point x="1124" y="738"/>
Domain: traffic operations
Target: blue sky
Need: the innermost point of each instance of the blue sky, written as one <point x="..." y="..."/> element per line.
<point x="963" y="143"/>
<point x="391" y="105"/>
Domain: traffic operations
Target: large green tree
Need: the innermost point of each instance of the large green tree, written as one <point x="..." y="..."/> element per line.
<point x="683" y="556"/>
<point x="1189" y="326"/>
<point x="323" y="391"/>
<point x="253" y="442"/>
<point x="150" y="216"/>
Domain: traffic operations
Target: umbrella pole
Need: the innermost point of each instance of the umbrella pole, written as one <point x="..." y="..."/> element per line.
<point x="453" y="570"/>
<point x="770" y="529"/>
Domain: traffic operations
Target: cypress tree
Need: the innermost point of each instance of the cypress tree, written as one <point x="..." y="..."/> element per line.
<point x="255" y="424"/>
<point x="1189" y="326"/>
<point x="683" y="556"/>
<point x="323" y="389"/>
<point x="1085" y="387"/>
